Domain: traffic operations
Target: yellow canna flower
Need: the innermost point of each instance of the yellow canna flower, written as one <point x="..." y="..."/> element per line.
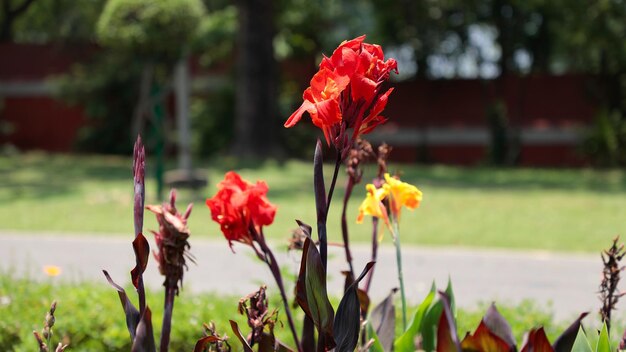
<point x="402" y="194"/>
<point x="372" y="205"/>
<point x="52" y="270"/>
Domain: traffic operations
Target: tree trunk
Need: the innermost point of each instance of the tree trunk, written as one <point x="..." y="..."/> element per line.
<point x="255" y="110"/>
<point x="9" y="15"/>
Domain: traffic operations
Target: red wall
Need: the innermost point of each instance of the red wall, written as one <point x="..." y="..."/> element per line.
<point x="538" y="102"/>
<point x="42" y="123"/>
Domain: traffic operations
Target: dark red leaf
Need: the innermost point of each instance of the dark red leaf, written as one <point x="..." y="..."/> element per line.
<point x="484" y="340"/>
<point x="447" y="339"/>
<point x="305" y="228"/>
<point x="144" y="340"/>
<point x="267" y="343"/>
<point x="383" y="319"/>
<point x="565" y="342"/>
<point x="496" y="323"/>
<point x="132" y="314"/>
<point x="347" y="324"/>
<point x="311" y="292"/>
<point x="237" y="332"/>
<point x="201" y="344"/>
<point x="318" y="181"/>
<point x="537" y="341"/>
<point x="139" y="171"/>
<point x="321" y="203"/>
<point x="308" y="335"/>
<point x="142" y="253"/>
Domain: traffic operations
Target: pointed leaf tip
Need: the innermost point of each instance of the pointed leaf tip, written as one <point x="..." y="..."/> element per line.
<point x="346" y="325"/>
<point x="498" y="325"/>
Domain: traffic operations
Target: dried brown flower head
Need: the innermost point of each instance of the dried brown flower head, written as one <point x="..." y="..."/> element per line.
<point x="361" y="152"/>
<point x="171" y="240"/>
<point x="383" y="154"/>
<point x="255" y="307"/>
<point x="609" y="295"/>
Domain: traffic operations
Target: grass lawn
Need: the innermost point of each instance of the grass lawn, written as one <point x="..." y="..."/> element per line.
<point x="563" y="210"/>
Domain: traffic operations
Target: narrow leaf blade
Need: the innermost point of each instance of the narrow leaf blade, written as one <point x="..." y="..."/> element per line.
<point x="346" y="326"/>
<point x="565" y="342"/>
<point x="383" y="320"/>
<point x="237" y="332"/>
<point x="144" y="340"/>
<point x="406" y="341"/>
<point x="581" y="344"/>
<point x="311" y="292"/>
<point x="132" y="314"/>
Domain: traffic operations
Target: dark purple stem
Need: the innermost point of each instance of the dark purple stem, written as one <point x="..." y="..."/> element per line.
<point x="170" y="293"/>
<point x="275" y="269"/>
<point x="139" y="171"/>
<point x="333" y="181"/>
<point x="344" y="224"/>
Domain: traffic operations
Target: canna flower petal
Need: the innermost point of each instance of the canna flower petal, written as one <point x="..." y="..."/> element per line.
<point x="346" y="92"/>
<point x="373" y="203"/>
<point x="239" y="205"/>
<point x="402" y="194"/>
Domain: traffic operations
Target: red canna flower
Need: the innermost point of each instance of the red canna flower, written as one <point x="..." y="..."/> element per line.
<point x="346" y="92"/>
<point x="241" y="208"/>
<point x="171" y="241"/>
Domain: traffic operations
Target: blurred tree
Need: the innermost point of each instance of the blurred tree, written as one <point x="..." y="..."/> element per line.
<point x="11" y="11"/>
<point x="257" y="79"/>
<point x="59" y="21"/>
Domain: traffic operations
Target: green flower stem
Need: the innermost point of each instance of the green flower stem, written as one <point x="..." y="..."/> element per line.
<point x="396" y="242"/>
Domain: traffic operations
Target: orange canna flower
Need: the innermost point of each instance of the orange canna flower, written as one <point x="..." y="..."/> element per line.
<point x="402" y="194"/>
<point x="321" y="101"/>
<point x="346" y="92"/>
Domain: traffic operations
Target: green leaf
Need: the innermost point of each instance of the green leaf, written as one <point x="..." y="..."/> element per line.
<point x="405" y="343"/>
<point x="450" y="293"/>
<point x="429" y="326"/>
<point x="311" y="292"/>
<point x="581" y="344"/>
<point x="376" y="346"/>
<point x="604" y="343"/>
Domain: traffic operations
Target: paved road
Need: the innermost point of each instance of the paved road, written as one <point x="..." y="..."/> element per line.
<point x="569" y="282"/>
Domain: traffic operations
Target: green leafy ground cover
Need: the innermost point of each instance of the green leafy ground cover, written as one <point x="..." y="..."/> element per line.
<point x="90" y="318"/>
<point x="563" y="210"/>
